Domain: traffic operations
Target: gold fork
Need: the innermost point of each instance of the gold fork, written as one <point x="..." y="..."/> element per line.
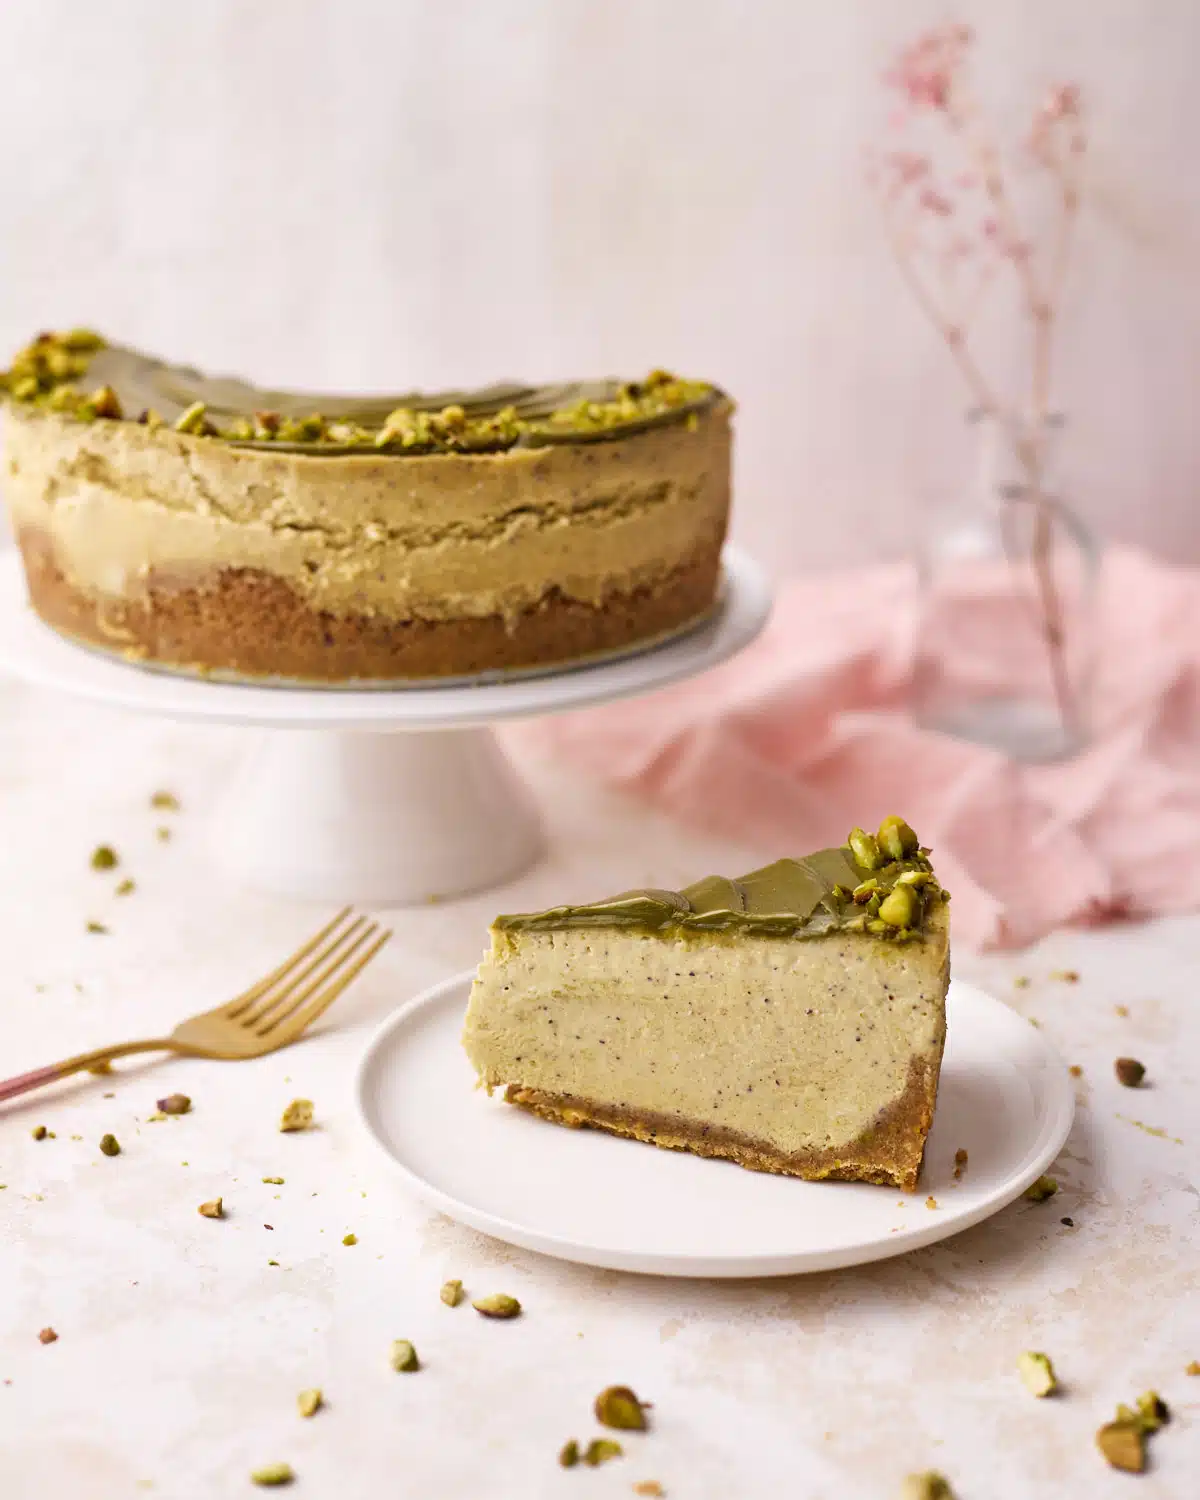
<point x="269" y="1015"/>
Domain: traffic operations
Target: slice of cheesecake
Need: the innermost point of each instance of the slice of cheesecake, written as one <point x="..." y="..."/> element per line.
<point x="792" y="1020"/>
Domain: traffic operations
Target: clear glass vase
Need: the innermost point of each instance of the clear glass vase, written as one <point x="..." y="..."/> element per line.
<point x="1005" y="632"/>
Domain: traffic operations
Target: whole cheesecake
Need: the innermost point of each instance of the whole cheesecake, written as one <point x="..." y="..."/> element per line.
<point x="206" y="525"/>
<point x="791" y="1020"/>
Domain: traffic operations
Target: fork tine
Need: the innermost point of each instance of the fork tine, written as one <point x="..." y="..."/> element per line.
<point x="272" y="1001"/>
<point x="248" y="997"/>
<point x="302" y="1019"/>
<point x="342" y="968"/>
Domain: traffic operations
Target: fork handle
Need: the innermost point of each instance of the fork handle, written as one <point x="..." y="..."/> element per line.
<point x="23" y="1083"/>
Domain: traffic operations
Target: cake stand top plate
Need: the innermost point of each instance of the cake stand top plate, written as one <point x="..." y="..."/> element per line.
<point x="31" y="651"/>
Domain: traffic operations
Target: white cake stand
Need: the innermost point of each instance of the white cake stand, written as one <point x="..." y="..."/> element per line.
<point x="383" y="797"/>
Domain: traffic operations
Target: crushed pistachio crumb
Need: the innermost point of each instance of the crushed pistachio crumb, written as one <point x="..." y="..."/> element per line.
<point x="274" y="1181"/>
<point x="497" y="1305"/>
<point x="600" y="1450"/>
<point x="162" y="834"/>
<point x="125" y="887"/>
<point x="960" y="1161"/>
<point x="175" y="1104"/>
<point x="927" y="1486"/>
<point x="350" y="1239"/>
<point x="47" y="1336"/>
<point x="1075" y="1070"/>
<point x="104" y="857"/>
<point x="1037" y="1373"/>
<point x="273" y="1474"/>
<point x="109" y="1145"/>
<point x="1129" y="1072"/>
<point x="568" y="1454"/>
<point x="1123" y="1445"/>
<point x="97" y="927"/>
<point x="1021" y="982"/>
<point x="931" y="1202"/>
<point x="648" y="1487"/>
<point x="451" y="1293"/>
<point x="309" y="1401"/>
<point x="404" y="1356"/>
<point x="1193" y="1368"/>
<point x="1043" y="1188"/>
<point x="213" y="1210"/>
<point x="165" y="801"/>
<point x="297" y="1116"/>
<point x="618" y="1407"/>
<point x="1122" y="1011"/>
<point x="1065" y="976"/>
<point x="39" y="1132"/>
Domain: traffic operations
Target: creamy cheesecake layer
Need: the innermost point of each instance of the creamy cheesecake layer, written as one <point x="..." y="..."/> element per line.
<point x="801" y="1045"/>
<point x="433" y="537"/>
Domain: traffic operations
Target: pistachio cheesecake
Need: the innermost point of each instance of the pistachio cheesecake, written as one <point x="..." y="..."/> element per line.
<point x="207" y="525"/>
<point x="791" y="1020"/>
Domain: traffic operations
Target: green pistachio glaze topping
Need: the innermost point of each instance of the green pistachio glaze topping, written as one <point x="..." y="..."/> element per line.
<point x="854" y="888"/>
<point x="79" y="375"/>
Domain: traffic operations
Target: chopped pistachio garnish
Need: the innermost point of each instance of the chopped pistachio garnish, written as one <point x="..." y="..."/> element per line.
<point x="274" y="1181"/>
<point x="165" y="801"/>
<point x="350" y="1239"/>
<point x="1122" y="1011"/>
<point x="104" y="857"/>
<point x="568" y="1454"/>
<point x="47" y="1336"/>
<point x="194" y="421"/>
<point x="451" y="1293"/>
<point x="109" y="1145"/>
<point x="1193" y="1368"/>
<point x="1129" y="1071"/>
<point x="1021" y="982"/>
<point x="125" y="887"/>
<point x="39" y="1132"/>
<point x="162" y="834"/>
<point x="297" y="1116"/>
<point x="927" y="1486"/>
<point x="865" y="849"/>
<point x="960" y="1161"/>
<point x="600" y="1450"/>
<point x="1043" y="1188"/>
<point x="497" y="1305"/>
<point x="97" y="927"/>
<point x="1152" y="1411"/>
<point x="648" y="1487"/>
<point x="1075" y="1070"/>
<point x="931" y="1202"/>
<point x="618" y="1407"/>
<point x="309" y="1401"/>
<point x="1037" y="1372"/>
<point x="404" y="1356"/>
<point x="213" y="1210"/>
<point x="273" y="1474"/>
<point x="1123" y="1445"/>
<point x="1065" y="976"/>
<point x="175" y="1104"/>
<point x="896" y="839"/>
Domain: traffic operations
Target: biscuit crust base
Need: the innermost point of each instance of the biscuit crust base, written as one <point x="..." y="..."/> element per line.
<point x="247" y="623"/>
<point x="890" y="1153"/>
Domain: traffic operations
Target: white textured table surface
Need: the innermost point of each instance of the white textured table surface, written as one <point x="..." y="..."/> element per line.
<point x="181" y="1349"/>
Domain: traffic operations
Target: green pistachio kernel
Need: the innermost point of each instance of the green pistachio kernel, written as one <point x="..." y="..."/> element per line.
<point x="865" y="849"/>
<point x="862" y="893"/>
<point x="404" y="1356"/>
<point x="900" y="906"/>
<point x="896" y="838"/>
<point x="309" y="1402"/>
<point x="497" y="1305"/>
<point x="104" y="857"/>
<point x="1037" y="1373"/>
<point x="1123" y="1446"/>
<point x="451" y="1293"/>
<point x="568" y="1455"/>
<point x="600" y="1450"/>
<point x="271" y="1475"/>
<point x="618" y="1407"/>
<point x="927" y="1486"/>
<point x="1043" y="1188"/>
<point x="194" y="420"/>
<point x="110" y="1145"/>
<point x="917" y="878"/>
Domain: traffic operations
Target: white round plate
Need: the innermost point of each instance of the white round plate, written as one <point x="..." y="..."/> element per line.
<point x="587" y="1196"/>
<point x="33" y="652"/>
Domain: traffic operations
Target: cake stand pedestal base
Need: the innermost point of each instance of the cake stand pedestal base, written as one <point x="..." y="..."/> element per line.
<point x="376" y="797"/>
<point x="376" y="819"/>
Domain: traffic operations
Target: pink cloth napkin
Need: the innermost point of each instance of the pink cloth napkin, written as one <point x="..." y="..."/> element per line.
<point x="807" y="733"/>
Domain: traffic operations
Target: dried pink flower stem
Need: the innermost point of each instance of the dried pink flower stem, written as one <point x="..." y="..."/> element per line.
<point x="930" y="76"/>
